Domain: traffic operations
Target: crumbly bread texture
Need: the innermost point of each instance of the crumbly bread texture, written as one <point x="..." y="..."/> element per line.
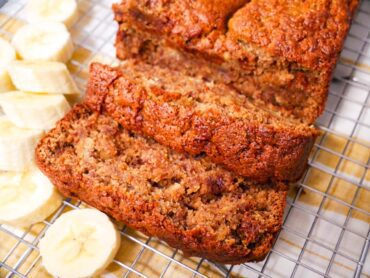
<point x="280" y="53"/>
<point x="194" y="116"/>
<point x="189" y="202"/>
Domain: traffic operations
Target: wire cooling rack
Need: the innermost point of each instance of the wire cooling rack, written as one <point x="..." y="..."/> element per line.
<point x="333" y="195"/>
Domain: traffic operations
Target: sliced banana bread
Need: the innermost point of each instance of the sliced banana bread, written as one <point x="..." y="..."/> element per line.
<point x="187" y="201"/>
<point x="194" y="116"/>
<point x="281" y="53"/>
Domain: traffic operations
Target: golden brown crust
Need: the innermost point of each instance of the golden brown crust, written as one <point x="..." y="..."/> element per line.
<point x="189" y="202"/>
<point x="284" y="90"/>
<point x="190" y="115"/>
<point x="309" y="33"/>
<point x="280" y="53"/>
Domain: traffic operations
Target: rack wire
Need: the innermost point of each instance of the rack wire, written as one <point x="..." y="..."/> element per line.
<point x="345" y="127"/>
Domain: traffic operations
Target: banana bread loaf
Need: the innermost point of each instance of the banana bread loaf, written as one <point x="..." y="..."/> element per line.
<point x="280" y="53"/>
<point x="194" y="116"/>
<point x="189" y="202"/>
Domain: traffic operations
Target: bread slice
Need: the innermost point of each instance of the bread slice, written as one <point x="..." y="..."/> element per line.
<point x="189" y="202"/>
<point x="279" y="53"/>
<point x="198" y="117"/>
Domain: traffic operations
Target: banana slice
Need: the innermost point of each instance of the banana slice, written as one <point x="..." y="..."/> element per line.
<point x="26" y="198"/>
<point x="42" y="77"/>
<point x="17" y="145"/>
<point x="65" y="11"/>
<point x="81" y="243"/>
<point x="7" y="54"/>
<point x="36" y="111"/>
<point x="44" y="41"/>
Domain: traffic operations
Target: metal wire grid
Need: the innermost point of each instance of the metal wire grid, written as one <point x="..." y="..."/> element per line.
<point x="98" y="38"/>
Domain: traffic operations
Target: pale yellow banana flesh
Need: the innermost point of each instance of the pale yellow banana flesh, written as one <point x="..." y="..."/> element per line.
<point x="65" y="11"/>
<point x="81" y="243"/>
<point x="7" y="55"/>
<point x="17" y="145"/>
<point x="44" y="41"/>
<point x="42" y="77"/>
<point x="36" y="111"/>
<point x="26" y="197"/>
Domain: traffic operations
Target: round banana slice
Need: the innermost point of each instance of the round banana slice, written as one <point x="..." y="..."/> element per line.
<point x="7" y="54"/>
<point x="42" y="77"/>
<point x="81" y="243"/>
<point x="38" y="111"/>
<point x="44" y="41"/>
<point x="65" y="11"/>
<point x="17" y="145"/>
<point x="26" y="198"/>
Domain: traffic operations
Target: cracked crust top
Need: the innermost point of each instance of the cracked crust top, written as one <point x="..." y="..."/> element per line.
<point x="309" y="33"/>
<point x="194" y="116"/>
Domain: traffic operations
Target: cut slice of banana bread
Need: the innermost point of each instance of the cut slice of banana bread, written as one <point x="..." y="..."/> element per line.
<point x="194" y="116"/>
<point x="280" y="53"/>
<point x="189" y="202"/>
